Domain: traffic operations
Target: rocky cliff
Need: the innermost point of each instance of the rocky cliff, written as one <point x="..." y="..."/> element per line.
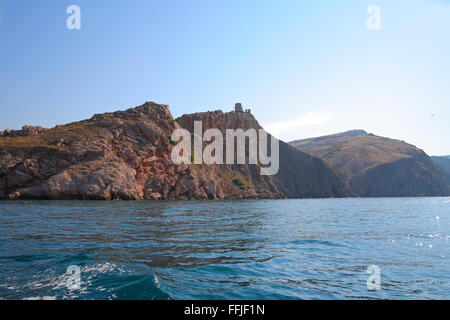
<point x="127" y="155"/>
<point x="300" y="174"/>
<point x="443" y="164"/>
<point x="377" y="166"/>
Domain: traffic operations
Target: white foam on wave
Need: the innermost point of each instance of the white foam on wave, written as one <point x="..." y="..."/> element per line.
<point x="55" y="280"/>
<point x="41" y="298"/>
<point x="102" y="268"/>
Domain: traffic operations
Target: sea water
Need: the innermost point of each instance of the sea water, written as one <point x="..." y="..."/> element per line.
<point x="243" y="249"/>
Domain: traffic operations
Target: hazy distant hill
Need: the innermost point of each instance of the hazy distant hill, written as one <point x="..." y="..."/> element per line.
<point x="377" y="166"/>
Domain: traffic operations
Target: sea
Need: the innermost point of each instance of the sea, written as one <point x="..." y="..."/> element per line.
<point x="359" y="248"/>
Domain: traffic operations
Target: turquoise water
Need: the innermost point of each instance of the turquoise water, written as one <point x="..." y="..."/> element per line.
<point x="250" y="249"/>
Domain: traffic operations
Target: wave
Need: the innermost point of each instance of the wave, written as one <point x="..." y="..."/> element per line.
<point x="98" y="280"/>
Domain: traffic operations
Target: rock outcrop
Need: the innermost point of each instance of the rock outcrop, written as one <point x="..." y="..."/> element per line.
<point x="375" y="166"/>
<point x="26" y="131"/>
<point x="127" y="155"/>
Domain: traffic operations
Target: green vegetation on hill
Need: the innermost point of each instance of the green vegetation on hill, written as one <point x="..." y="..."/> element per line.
<point x="241" y="184"/>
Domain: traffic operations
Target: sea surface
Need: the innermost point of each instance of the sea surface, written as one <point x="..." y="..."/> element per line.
<point x="246" y="249"/>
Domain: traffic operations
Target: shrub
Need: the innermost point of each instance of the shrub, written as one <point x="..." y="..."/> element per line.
<point x="241" y="184"/>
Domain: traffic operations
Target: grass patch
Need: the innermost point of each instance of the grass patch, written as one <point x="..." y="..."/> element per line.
<point x="241" y="184"/>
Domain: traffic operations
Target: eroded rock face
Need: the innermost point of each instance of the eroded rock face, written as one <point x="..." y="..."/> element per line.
<point x="127" y="155"/>
<point x="98" y="181"/>
<point x="300" y="175"/>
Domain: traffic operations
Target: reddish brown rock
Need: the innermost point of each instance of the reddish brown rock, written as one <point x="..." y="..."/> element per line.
<point x="127" y="155"/>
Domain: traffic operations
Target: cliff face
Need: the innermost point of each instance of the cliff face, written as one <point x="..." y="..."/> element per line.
<point x="127" y="155"/>
<point x="300" y="175"/>
<point x="376" y="166"/>
<point x="443" y="164"/>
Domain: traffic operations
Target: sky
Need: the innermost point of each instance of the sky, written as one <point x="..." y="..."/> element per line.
<point x="305" y="68"/>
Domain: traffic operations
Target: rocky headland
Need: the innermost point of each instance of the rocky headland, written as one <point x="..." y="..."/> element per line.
<point x="127" y="155"/>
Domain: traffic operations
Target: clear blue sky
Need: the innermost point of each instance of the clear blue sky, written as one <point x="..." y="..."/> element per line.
<point x="306" y="68"/>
